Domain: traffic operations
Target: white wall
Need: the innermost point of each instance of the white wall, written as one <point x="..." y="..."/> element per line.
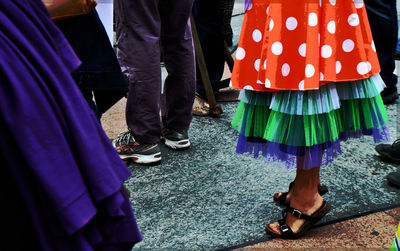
<point x="105" y="10"/>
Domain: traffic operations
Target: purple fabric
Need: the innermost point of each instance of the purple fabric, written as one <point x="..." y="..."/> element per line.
<point x="65" y="168"/>
<point x="247" y="4"/>
<point x="142" y="27"/>
<point x="300" y="156"/>
<point x="379" y="135"/>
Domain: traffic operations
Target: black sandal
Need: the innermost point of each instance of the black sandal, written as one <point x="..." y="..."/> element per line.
<point x="281" y="200"/>
<point x="287" y="232"/>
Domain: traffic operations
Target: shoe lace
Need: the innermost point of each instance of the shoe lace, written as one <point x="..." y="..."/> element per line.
<point x="125" y="137"/>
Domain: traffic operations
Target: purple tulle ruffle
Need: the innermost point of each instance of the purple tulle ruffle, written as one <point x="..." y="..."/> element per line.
<point x="303" y="157"/>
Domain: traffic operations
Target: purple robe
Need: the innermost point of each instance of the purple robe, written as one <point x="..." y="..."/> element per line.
<point x="61" y="169"/>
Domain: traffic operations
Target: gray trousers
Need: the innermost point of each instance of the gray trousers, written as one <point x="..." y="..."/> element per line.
<point x="145" y="30"/>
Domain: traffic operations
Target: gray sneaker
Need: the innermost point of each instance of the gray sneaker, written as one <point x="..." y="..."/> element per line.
<point x="129" y="149"/>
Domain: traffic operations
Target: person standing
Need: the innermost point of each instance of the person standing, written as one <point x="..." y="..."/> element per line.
<point x="382" y="15"/>
<point x="148" y="30"/>
<point x="209" y="23"/>
<point x="309" y="79"/>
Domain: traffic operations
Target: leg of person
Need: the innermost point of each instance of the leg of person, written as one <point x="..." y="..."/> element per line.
<point x="382" y="16"/>
<point x="179" y="86"/>
<point x="138" y="38"/>
<point x="283" y="198"/>
<point x="306" y="207"/>
<point x="226" y="7"/>
<point x="209" y="26"/>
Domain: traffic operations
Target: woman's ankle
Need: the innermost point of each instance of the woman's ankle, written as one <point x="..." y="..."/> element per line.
<point x="306" y="203"/>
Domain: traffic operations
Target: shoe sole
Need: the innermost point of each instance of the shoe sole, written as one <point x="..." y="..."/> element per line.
<point x="181" y="144"/>
<point x="142" y="159"/>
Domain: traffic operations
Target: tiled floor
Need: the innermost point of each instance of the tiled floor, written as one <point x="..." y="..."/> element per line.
<point x="375" y="231"/>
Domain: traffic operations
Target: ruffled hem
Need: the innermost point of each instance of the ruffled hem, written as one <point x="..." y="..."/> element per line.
<point x="323" y="100"/>
<point x="290" y="124"/>
<point x="303" y="157"/>
<point x="307" y="130"/>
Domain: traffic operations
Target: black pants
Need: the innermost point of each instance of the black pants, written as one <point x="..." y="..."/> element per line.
<point x="209" y="26"/>
<point x="100" y="72"/>
<point x="382" y="15"/>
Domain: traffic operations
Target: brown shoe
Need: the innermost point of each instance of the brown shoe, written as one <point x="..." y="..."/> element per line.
<point x="200" y="107"/>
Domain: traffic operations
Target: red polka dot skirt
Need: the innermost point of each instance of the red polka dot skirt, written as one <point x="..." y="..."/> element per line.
<point x="301" y="45"/>
<point x="308" y="71"/>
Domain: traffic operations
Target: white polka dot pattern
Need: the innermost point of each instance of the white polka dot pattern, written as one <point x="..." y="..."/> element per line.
<point x="326" y="51"/>
<point x="240" y="53"/>
<point x="257" y="35"/>
<point x="302" y="50"/>
<point x="331" y="27"/>
<point x="291" y="23"/>
<point x="277" y="48"/>
<point x="310" y="70"/>
<point x="285" y="70"/>
<point x="283" y="47"/>
<point x="312" y="19"/>
<point x="257" y="64"/>
<point x="353" y="19"/>
<point x="348" y="45"/>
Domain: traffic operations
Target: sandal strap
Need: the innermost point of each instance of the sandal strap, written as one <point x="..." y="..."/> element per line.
<point x="286" y="231"/>
<point x="299" y="214"/>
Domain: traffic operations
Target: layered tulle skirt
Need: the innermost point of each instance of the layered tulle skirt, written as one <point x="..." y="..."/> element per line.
<point x="308" y="71"/>
<point x="304" y="128"/>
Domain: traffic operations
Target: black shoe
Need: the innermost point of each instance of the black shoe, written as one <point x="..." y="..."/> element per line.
<point x="390" y="152"/>
<point x="128" y="148"/>
<point x="394" y="179"/>
<point x="175" y="139"/>
<point x="397" y="55"/>
<point x="389" y="95"/>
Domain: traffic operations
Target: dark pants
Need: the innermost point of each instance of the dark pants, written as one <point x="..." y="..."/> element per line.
<point x="143" y="26"/>
<point x="382" y="15"/>
<point x="226" y="7"/>
<point x="211" y="34"/>
<point x="100" y="73"/>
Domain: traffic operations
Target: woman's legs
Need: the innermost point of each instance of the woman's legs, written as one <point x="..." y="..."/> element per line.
<point x="304" y="197"/>
<point x="289" y="193"/>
